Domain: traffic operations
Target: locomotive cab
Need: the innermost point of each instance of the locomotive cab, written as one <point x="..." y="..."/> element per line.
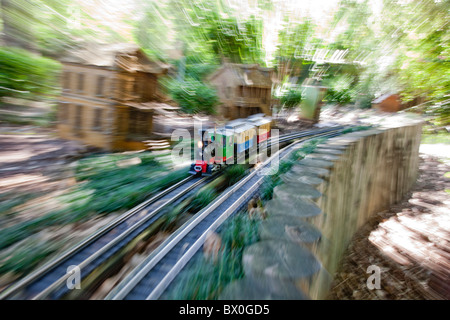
<point x="200" y="166"/>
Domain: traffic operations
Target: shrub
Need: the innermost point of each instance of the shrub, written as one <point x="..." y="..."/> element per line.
<point x="291" y="98"/>
<point x="193" y="96"/>
<point x="26" y="75"/>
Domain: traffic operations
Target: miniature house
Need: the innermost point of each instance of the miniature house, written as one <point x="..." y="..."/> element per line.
<point x="109" y="96"/>
<point x="243" y="90"/>
<point x="388" y="103"/>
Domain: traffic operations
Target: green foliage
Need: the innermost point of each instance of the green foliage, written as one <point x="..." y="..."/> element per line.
<point x="239" y="42"/>
<point x="342" y="97"/>
<point x="9" y="200"/>
<point x="202" y="198"/>
<point x="26" y="75"/>
<point x="340" y="88"/>
<point x="294" y="38"/>
<point x="105" y="187"/>
<point x="27" y="256"/>
<point x="210" y="29"/>
<point x="268" y="186"/>
<point x="193" y="96"/>
<point x="234" y="173"/>
<point x="434" y="138"/>
<point x="204" y="279"/>
<point x="150" y="32"/>
<point x="423" y="64"/>
<point x="291" y="98"/>
<point x="271" y="181"/>
<point x="307" y="148"/>
<point x="198" y="70"/>
<point x="403" y="49"/>
<point x="355" y="129"/>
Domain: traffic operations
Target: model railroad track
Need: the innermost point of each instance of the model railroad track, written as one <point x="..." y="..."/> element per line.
<point x="301" y="134"/>
<point x="49" y="281"/>
<point x="150" y="278"/>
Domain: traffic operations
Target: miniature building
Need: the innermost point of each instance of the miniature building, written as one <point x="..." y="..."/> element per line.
<point x="388" y="103"/>
<point x="109" y="95"/>
<point x="243" y="90"/>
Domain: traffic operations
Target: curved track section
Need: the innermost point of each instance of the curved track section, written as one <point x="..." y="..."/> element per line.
<point x="49" y="281"/>
<point x="150" y="279"/>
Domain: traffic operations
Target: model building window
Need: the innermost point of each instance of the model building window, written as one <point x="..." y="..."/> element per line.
<point x="100" y="86"/>
<point x="123" y="89"/>
<point x="112" y="88"/>
<point x="138" y="122"/>
<point x="240" y="91"/>
<point x="63" y="112"/>
<point x="143" y="123"/>
<point x="97" y="126"/>
<point x="80" y="87"/>
<point x="66" y="81"/>
<point x="135" y="88"/>
<point x="78" y="117"/>
<point x="132" y="121"/>
<point x="124" y="85"/>
<point x="228" y="92"/>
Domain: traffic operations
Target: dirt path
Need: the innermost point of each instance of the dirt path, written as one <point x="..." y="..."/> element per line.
<point x="34" y="159"/>
<point x="409" y="243"/>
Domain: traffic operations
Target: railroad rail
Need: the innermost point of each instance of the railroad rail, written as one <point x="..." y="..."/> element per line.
<point x="47" y="282"/>
<point x="152" y="276"/>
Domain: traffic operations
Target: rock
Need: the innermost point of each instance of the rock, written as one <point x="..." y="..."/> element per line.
<point x="212" y="246"/>
<point x="289" y="229"/>
<point x="281" y="260"/>
<point x="292" y="206"/>
<point x="329" y="150"/>
<point x="249" y="289"/>
<point x="322" y="156"/>
<point x="302" y="170"/>
<point x="316" y="162"/>
<point x="295" y="177"/>
<point x="296" y="189"/>
<point x="255" y="211"/>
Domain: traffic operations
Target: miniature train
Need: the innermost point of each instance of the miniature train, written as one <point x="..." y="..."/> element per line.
<point x="232" y="141"/>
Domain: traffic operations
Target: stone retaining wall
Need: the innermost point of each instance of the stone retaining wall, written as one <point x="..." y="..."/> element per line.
<point x="321" y="203"/>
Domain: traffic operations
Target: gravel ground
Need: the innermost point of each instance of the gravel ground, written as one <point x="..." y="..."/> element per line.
<point x="409" y="242"/>
<point x="33" y="159"/>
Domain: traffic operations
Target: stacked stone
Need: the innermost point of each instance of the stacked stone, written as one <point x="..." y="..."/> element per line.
<point x="282" y="264"/>
<point x="334" y="189"/>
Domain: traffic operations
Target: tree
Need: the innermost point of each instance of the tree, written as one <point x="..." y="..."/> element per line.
<point x="211" y="28"/>
<point x="151" y="31"/>
<point x="26" y="75"/>
<point x="402" y="47"/>
<point x="16" y="17"/>
<point x="294" y="42"/>
<point x="291" y="98"/>
<point x="193" y="96"/>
